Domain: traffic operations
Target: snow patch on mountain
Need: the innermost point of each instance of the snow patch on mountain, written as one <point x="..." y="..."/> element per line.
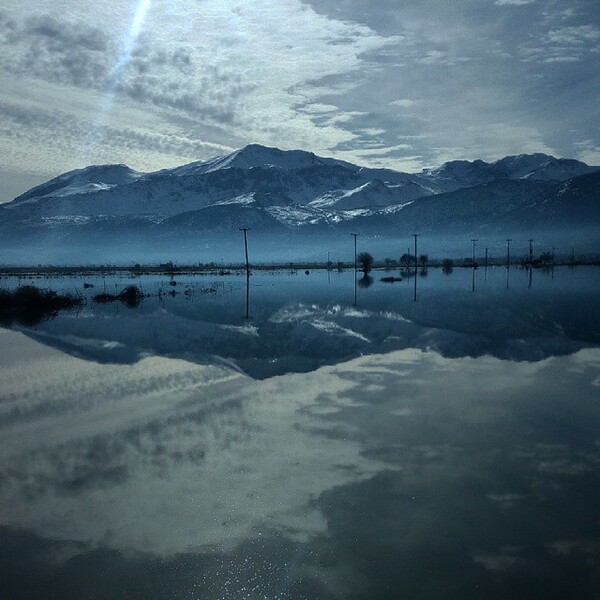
<point x="82" y="181"/>
<point x="255" y="155"/>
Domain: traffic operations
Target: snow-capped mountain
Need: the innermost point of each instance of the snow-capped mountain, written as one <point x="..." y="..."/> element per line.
<point x="459" y="174"/>
<point x="276" y="177"/>
<point x="81" y="181"/>
<point x="294" y="196"/>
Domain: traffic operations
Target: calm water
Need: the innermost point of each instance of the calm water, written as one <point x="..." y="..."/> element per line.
<point x="306" y="439"/>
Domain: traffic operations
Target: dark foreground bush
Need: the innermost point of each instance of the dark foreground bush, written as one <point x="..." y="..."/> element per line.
<point x="131" y="296"/>
<point x="28" y="305"/>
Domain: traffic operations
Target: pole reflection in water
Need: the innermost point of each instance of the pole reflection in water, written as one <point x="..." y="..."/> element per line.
<point x="415" y="285"/>
<point x="473" y="279"/>
<point x="530" y="277"/>
<point x="247" y="316"/>
<point x="415" y="235"/>
<point x="486" y="265"/>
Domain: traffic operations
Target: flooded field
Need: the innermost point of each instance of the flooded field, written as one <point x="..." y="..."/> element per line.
<point x="305" y="436"/>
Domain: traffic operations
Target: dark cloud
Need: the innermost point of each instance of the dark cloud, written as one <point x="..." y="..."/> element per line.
<point x="170" y="79"/>
<point x="60" y="51"/>
<point x="76" y="53"/>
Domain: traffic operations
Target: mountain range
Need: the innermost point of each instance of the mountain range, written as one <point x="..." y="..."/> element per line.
<point x="299" y="206"/>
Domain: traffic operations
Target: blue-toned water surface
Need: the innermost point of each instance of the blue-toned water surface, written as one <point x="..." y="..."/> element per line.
<point x="306" y="437"/>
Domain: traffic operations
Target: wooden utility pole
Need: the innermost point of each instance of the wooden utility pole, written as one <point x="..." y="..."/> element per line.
<point x="416" y="235"/>
<point x="486" y="258"/>
<point x="474" y="242"/>
<point x="245" y="230"/>
<point x="508" y="241"/>
<point x="355" y="235"/>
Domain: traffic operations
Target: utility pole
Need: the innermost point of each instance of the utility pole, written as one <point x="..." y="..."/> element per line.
<point x="355" y="235"/>
<point x="486" y="258"/>
<point x="508" y="241"/>
<point x="245" y="230"/>
<point x="416" y="235"/>
<point x="474" y="242"/>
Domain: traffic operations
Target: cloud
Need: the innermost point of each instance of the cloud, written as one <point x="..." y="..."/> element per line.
<point x="57" y="50"/>
<point x="23" y="127"/>
<point x="579" y="35"/>
<point x="508" y="559"/>
<point x="588" y="152"/>
<point x="403" y="102"/>
<point x="513" y="2"/>
<point x="318" y="75"/>
<point x="163" y="431"/>
<point x="74" y="53"/>
<point x="195" y="469"/>
<point x="572" y="43"/>
<point x="240" y="72"/>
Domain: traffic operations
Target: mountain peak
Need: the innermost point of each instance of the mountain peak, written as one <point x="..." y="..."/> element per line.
<point x="539" y="166"/>
<point x="85" y="180"/>
<point x="256" y="155"/>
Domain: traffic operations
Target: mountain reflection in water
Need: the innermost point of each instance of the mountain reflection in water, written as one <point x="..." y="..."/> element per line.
<point x="295" y="323"/>
<point x="153" y="453"/>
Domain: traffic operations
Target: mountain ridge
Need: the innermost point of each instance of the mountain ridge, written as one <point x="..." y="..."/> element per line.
<point x="464" y="173"/>
<point x="291" y="195"/>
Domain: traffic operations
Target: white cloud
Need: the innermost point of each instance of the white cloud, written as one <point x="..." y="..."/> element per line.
<point x="239" y="72"/>
<point x="403" y="102"/>
<point x="204" y="78"/>
<point x="513" y="2"/>
<point x="210" y="456"/>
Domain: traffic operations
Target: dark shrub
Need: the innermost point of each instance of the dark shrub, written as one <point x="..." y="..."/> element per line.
<point x="28" y="305"/>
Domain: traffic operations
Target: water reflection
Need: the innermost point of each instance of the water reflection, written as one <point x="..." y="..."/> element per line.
<point x="407" y="471"/>
<point x="365" y="281"/>
<point x="302" y="322"/>
<point x="247" y="315"/>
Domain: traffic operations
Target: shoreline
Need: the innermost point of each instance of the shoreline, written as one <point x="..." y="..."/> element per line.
<point x="239" y="269"/>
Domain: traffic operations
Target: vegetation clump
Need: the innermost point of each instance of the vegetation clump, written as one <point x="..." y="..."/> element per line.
<point x="447" y="266"/>
<point x="391" y="279"/>
<point x="131" y="296"/>
<point x="28" y="305"/>
<point x="407" y="260"/>
<point x="366" y="262"/>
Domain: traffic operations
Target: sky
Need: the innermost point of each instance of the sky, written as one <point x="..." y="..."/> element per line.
<point x="396" y="83"/>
